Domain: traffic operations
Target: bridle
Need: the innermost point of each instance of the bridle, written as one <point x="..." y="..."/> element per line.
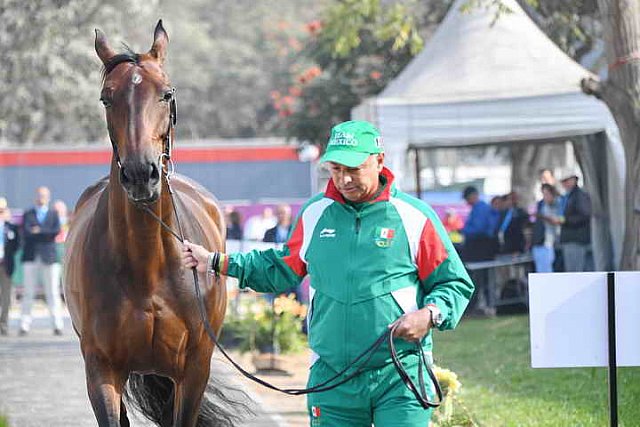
<point x="353" y="369"/>
<point x="167" y="146"/>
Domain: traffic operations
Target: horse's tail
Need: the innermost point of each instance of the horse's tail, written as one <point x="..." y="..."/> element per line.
<point x="152" y="396"/>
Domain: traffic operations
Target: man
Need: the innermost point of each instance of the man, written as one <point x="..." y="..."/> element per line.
<point x="575" y="230"/>
<point x="40" y="226"/>
<point x="9" y="243"/>
<point x="513" y="221"/>
<point x="280" y="232"/>
<point x="481" y="244"/>
<point x="257" y="225"/>
<point x="480" y="241"/>
<point x="376" y="257"/>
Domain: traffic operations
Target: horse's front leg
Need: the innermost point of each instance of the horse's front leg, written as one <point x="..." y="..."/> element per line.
<point x="104" y="385"/>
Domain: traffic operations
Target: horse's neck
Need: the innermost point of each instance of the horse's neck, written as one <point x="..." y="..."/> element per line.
<point x="135" y="233"/>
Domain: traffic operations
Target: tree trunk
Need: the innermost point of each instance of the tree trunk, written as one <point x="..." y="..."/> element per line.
<point x="524" y="172"/>
<point x="621" y="93"/>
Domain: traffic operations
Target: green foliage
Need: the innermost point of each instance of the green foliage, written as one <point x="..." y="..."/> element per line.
<point x="359" y="46"/>
<point x="260" y="326"/>
<point x="501" y="389"/>
<point x="49" y="72"/>
<point x="224" y="58"/>
<point x="3" y="421"/>
<point x="572" y="24"/>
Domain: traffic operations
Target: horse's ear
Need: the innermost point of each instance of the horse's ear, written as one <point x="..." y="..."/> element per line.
<point x="160" y="42"/>
<point x="103" y="49"/>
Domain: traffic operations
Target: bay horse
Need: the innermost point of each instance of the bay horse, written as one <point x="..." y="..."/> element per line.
<point x="132" y="305"/>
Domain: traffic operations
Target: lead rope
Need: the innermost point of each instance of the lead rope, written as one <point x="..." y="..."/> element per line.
<point x="421" y="394"/>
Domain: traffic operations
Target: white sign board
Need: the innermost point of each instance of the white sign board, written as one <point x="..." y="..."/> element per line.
<point x="568" y="319"/>
<point x="628" y="318"/>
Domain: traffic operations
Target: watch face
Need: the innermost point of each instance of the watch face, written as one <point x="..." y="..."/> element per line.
<point x="436" y="316"/>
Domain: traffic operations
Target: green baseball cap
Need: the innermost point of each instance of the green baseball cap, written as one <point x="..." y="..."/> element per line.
<point x="352" y="142"/>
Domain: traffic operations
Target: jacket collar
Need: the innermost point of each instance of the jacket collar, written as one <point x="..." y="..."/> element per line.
<point x="333" y="193"/>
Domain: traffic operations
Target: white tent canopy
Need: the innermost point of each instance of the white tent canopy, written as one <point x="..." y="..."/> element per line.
<point x="482" y="80"/>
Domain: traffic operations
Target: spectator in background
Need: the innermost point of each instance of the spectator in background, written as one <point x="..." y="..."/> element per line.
<point x="40" y="227"/>
<point x="512" y="224"/>
<point x="480" y="243"/>
<point x="546" y="229"/>
<point x="280" y="232"/>
<point x="257" y="225"/>
<point x="453" y="224"/>
<point x="234" y="225"/>
<point x="575" y="231"/>
<point x="9" y="243"/>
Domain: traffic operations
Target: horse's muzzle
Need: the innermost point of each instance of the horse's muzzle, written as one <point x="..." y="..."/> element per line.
<point x="141" y="181"/>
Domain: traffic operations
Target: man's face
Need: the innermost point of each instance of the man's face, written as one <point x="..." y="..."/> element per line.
<point x="283" y="214"/>
<point x="360" y="183"/>
<point x="472" y="198"/>
<point x="42" y="196"/>
<point x="568" y="184"/>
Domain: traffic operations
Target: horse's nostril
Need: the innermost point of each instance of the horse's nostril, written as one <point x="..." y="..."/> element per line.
<point x="154" y="172"/>
<point x="124" y="178"/>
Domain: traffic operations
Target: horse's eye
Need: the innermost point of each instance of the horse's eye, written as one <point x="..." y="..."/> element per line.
<point x="168" y="96"/>
<point x="105" y="102"/>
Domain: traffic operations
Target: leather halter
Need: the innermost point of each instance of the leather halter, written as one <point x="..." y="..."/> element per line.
<point x="167" y="149"/>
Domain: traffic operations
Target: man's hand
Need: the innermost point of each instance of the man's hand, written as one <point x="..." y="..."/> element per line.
<point x="413" y="326"/>
<point x="194" y="256"/>
<point x="35" y="229"/>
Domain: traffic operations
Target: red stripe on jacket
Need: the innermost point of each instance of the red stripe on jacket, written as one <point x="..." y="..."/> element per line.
<point x="293" y="260"/>
<point x="431" y="252"/>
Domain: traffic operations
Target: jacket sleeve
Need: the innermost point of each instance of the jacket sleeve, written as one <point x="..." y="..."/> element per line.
<point x="271" y="270"/>
<point x="445" y="281"/>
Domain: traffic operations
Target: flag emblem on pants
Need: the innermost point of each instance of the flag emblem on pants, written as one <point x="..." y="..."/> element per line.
<point x="315" y="411"/>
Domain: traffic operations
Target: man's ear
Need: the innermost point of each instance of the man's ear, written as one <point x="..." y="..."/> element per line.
<point x="380" y="160"/>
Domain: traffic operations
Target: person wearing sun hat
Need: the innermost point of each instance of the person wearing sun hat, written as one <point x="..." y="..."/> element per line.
<point x="376" y="257"/>
<point x="575" y="225"/>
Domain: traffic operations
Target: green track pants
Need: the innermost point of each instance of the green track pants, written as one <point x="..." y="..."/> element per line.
<point x="376" y="396"/>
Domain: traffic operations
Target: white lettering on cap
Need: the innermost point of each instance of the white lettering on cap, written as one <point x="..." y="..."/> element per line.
<point x="344" y="138"/>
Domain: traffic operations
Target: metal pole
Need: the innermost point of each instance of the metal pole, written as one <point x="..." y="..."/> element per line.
<point x="613" y="386"/>
<point x="417" y="166"/>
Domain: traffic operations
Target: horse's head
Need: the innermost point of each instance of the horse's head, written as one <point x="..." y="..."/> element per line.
<point x="140" y="110"/>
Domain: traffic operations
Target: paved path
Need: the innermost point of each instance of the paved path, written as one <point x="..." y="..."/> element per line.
<point x="42" y="381"/>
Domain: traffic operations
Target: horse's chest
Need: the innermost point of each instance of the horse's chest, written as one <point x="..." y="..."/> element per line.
<point x="146" y="333"/>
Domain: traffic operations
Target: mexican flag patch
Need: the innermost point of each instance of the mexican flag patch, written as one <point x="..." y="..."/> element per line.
<point x="384" y="236"/>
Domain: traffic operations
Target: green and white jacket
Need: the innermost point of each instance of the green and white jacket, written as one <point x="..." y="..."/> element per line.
<point x="368" y="266"/>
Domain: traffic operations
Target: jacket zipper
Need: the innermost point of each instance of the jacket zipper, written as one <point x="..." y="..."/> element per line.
<point x="351" y="283"/>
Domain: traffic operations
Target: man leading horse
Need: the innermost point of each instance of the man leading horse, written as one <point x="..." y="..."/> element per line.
<point x="377" y="258"/>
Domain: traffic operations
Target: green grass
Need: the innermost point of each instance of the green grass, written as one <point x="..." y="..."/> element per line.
<point x="3" y="421"/>
<point x="499" y="388"/>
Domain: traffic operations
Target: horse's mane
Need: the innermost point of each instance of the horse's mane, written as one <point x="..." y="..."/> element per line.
<point x="127" y="56"/>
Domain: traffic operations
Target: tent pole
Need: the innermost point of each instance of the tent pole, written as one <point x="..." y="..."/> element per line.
<point x="417" y="166"/>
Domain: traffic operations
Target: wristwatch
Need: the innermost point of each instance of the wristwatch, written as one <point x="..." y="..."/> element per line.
<point x="436" y="315"/>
